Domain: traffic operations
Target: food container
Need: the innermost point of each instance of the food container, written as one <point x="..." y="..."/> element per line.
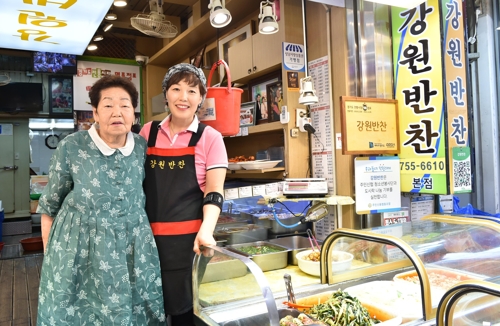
<point x="341" y="262"/>
<point x="240" y="234"/>
<point x="387" y="317"/>
<point x="267" y="220"/>
<point x="221" y="267"/>
<point x="32" y="244"/>
<point x="390" y="296"/>
<point x="295" y="243"/>
<point x="267" y="261"/>
<point x="440" y="281"/>
<point x="261" y="319"/>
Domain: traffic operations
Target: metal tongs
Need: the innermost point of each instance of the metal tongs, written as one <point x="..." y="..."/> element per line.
<point x="311" y="238"/>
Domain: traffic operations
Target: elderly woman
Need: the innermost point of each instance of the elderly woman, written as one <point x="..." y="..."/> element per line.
<point x="101" y="265"/>
<point x="185" y="171"/>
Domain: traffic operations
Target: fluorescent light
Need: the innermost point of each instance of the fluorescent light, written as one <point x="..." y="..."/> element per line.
<point x="92" y="47"/>
<point x="219" y="15"/>
<point x="107" y="27"/>
<point x="399" y="3"/>
<point x="120" y="3"/>
<point x="268" y="23"/>
<point x="51" y="124"/>
<point x="98" y="37"/>
<point x="111" y="16"/>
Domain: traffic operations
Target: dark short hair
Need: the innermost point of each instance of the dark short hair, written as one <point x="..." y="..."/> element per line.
<point x="112" y="81"/>
<point x="190" y="79"/>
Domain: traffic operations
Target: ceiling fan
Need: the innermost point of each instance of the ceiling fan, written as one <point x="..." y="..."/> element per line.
<point x="155" y="23"/>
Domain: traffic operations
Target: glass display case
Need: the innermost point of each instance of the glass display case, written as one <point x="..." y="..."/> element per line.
<point x="405" y="271"/>
<point x="471" y="303"/>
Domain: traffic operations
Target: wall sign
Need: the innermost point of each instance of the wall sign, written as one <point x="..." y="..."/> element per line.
<point x="378" y="187"/>
<point x="369" y="126"/>
<point x="293" y="57"/>
<point x="89" y="72"/>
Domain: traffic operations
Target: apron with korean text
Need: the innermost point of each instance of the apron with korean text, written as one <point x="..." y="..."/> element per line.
<point x="174" y="204"/>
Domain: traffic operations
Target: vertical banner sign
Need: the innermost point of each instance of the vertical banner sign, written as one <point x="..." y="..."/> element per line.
<point x="419" y="91"/>
<point x="455" y="61"/>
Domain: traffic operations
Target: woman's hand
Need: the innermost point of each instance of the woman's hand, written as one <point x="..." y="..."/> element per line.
<point x="203" y="238"/>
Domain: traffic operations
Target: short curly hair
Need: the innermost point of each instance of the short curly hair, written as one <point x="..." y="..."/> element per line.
<point x="112" y="81"/>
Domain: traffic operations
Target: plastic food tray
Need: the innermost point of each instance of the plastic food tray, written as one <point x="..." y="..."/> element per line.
<point x="386" y="317"/>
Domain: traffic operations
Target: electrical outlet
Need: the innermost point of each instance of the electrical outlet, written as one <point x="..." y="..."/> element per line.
<point x="294" y="132"/>
<point x="299" y="115"/>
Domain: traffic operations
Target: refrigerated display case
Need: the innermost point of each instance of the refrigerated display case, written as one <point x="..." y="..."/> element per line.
<point x="405" y="269"/>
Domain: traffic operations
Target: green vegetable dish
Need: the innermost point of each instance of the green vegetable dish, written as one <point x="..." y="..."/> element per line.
<point x="259" y="250"/>
<point x="342" y="309"/>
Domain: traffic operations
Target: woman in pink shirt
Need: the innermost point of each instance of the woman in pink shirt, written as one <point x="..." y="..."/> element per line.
<point x="185" y="171"/>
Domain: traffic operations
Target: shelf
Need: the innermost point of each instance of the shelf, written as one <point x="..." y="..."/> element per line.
<point x="200" y="33"/>
<point x="266" y="127"/>
<point x="329" y="200"/>
<point x="257" y="171"/>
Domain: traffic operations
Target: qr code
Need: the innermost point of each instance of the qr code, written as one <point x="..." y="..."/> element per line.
<point x="462" y="174"/>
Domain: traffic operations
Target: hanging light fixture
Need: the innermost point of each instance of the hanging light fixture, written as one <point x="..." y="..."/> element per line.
<point x="92" y="47"/>
<point x="120" y="3"/>
<point x="107" y="27"/>
<point x="268" y="23"/>
<point x="408" y="4"/>
<point x="219" y="15"/>
<point x="98" y="37"/>
<point x="111" y="16"/>
<point x="307" y="92"/>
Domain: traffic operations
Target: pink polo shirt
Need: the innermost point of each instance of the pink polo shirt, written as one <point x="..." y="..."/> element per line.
<point x="210" y="151"/>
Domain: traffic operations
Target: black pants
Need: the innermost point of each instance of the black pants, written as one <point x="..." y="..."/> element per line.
<point x="185" y="319"/>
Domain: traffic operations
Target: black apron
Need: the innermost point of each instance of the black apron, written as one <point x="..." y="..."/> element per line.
<point x="174" y="204"/>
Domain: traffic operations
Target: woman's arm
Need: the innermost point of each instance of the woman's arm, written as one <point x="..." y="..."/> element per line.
<point x="214" y="183"/>
<point x="46" y="225"/>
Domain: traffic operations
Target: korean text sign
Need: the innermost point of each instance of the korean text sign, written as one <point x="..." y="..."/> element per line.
<point x="419" y="90"/>
<point x="369" y="126"/>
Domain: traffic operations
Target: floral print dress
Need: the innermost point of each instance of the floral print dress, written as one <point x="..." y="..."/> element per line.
<point x="101" y="265"/>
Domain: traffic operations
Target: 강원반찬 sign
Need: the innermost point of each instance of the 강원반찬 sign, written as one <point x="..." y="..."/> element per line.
<point x="369" y="126"/>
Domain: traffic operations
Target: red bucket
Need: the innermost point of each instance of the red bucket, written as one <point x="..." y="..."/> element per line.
<point x="221" y="109"/>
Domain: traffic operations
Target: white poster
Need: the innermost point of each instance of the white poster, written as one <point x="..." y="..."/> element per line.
<point x="323" y="157"/>
<point x="89" y="72"/>
<point x="378" y="184"/>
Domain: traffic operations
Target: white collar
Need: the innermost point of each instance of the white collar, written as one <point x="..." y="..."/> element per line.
<point x="192" y="127"/>
<point x="105" y="149"/>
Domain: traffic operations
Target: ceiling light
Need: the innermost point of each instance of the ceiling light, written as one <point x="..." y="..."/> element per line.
<point x="219" y="15"/>
<point x="268" y="23"/>
<point x="92" y="47"/>
<point x="120" y="3"/>
<point x="111" y="16"/>
<point x="398" y="3"/>
<point x="107" y="27"/>
<point x="307" y="92"/>
<point x="98" y="38"/>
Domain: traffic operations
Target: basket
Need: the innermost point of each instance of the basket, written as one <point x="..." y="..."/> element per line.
<point x="221" y="109"/>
